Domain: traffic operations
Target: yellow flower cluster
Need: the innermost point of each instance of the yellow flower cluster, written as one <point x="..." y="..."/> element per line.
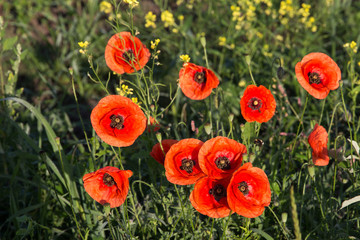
<point x="289" y="11"/>
<point x="237" y="16"/>
<point x="185" y="58"/>
<point x="155" y="43"/>
<point x="132" y="3"/>
<point x="124" y="90"/>
<point x="266" y="51"/>
<point x="168" y="18"/>
<point x="106" y="7"/>
<point x="83" y="46"/>
<point x="222" y="41"/>
<point x="352" y="46"/>
<point x="305" y="13"/>
<point x="150" y="19"/>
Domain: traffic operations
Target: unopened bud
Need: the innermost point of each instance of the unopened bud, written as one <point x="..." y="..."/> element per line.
<point x="208" y="128"/>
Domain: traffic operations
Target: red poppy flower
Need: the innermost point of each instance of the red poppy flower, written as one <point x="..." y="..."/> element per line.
<point x="209" y="197"/>
<point x="219" y="157"/>
<point x="181" y="162"/>
<point x="317" y="73"/>
<point x="257" y="104"/>
<point x="197" y="82"/>
<point x="158" y="154"/>
<point x="108" y="185"/>
<point x="249" y="191"/>
<point x="124" y="53"/>
<point x="118" y="121"/>
<point x="318" y="140"/>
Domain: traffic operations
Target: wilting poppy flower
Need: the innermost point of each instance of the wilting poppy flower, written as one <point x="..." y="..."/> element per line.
<point x="108" y="185"/>
<point x="209" y="197"/>
<point x="257" y="104"/>
<point x="181" y="162"/>
<point x="317" y="73"/>
<point x="124" y="53"/>
<point x="154" y="125"/>
<point x="197" y="82"/>
<point x="158" y="154"/>
<point x="118" y="121"/>
<point x="249" y="191"/>
<point x="219" y="157"/>
<point x="318" y="140"/>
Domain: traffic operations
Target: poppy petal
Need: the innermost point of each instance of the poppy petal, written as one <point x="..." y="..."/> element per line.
<point x="318" y="140"/>
<point x="181" y="162"/>
<point x="132" y="121"/>
<point x="108" y="185"/>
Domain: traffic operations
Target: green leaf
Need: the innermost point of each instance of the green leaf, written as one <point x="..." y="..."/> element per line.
<point x="262" y="233"/>
<point x="49" y="131"/>
<point x="9" y="43"/>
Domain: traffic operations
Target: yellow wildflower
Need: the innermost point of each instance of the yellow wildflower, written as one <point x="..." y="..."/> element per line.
<point x="242" y="83"/>
<point x="106" y="7"/>
<point x="125" y="90"/>
<point x="185" y="58"/>
<point x="135" y="100"/>
<point x="150" y="19"/>
<point x="132" y="3"/>
<point x="155" y="43"/>
<point x="353" y="46"/>
<point x="222" y="41"/>
<point x="232" y="46"/>
<point x="82" y="51"/>
<point x="83" y="44"/>
<point x="359" y="64"/>
<point x="181" y="18"/>
<point x="168" y="18"/>
<point x="279" y="38"/>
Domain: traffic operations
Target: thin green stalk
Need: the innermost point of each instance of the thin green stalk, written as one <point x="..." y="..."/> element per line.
<point x="300" y="123"/>
<point x="182" y="207"/>
<point x="68" y="188"/>
<point x="226" y="226"/>
<point x="251" y="75"/>
<point x="321" y="208"/>
<point x="322" y="110"/>
<point x="277" y="219"/>
<point x="212" y="227"/>
<point x="110" y="226"/>
<point x="347" y="120"/>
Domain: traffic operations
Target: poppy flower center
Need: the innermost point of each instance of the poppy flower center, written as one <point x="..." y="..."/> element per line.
<point x="255" y="103"/>
<point x="314" y="77"/>
<point x="187" y="165"/>
<point x="117" y="121"/>
<point x="128" y="56"/>
<point x="223" y="163"/>
<point x="244" y="188"/>
<point x="200" y="77"/>
<point x="108" y="180"/>
<point x="218" y="191"/>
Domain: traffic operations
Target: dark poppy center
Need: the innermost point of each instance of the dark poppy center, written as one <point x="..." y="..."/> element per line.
<point x="255" y="103"/>
<point x="314" y="77"/>
<point x="200" y="77"/>
<point x="117" y="121"/>
<point x="223" y="163"/>
<point x="244" y="188"/>
<point x="187" y="165"/>
<point x="108" y="180"/>
<point x="218" y="191"/>
<point x="128" y="56"/>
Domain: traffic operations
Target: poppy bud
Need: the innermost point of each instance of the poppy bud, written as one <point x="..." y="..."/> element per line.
<point x="280" y="73"/>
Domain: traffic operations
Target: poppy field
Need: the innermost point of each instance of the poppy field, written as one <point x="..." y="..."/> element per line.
<point x="180" y="119"/>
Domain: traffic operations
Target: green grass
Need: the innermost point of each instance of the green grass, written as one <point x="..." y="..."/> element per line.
<point x="48" y="90"/>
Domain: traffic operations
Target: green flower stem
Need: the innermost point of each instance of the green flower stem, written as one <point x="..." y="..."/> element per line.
<point x="300" y="123"/>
